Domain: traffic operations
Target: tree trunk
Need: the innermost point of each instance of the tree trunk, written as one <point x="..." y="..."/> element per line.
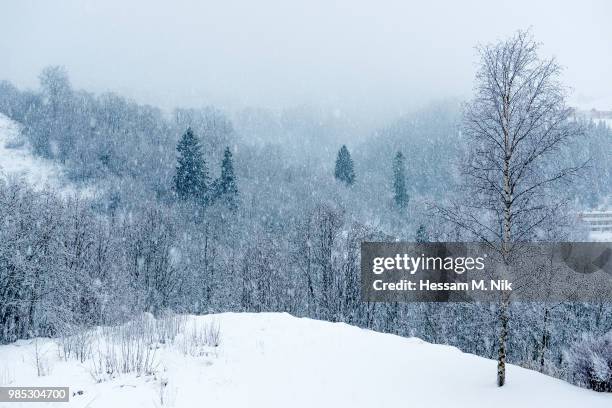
<point x="506" y="241"/>
<point x="503" y="337"/>
<point x="544" y="341"/>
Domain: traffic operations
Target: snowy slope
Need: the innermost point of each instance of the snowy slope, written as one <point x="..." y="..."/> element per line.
<point x="276" y="360"/>
<point x="17" y="160"/>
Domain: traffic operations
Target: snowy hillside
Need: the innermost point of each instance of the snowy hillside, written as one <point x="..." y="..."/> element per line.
<point x="276" y="360"/>
<point x="17" y="160"/>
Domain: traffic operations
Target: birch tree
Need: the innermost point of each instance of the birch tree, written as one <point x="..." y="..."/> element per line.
<point x="514" y="126"/>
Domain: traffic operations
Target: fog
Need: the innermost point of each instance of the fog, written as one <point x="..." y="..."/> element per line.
<point x="365" y="58"/>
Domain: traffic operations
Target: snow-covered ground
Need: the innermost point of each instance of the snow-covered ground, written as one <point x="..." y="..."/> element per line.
<point x="276" y="360"/>
<point x="17" y="160"/>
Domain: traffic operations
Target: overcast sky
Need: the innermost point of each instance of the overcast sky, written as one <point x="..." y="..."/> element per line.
<point x="378" y="56"/>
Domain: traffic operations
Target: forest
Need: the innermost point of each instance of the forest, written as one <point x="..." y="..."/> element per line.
<point x="203" y="210"/>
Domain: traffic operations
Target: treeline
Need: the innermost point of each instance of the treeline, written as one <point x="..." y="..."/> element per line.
<point x="107" y="138"/>
<point x="129" y="149"/>
<point x="64" y="267"/>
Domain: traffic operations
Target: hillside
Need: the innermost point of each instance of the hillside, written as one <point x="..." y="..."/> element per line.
<point x="17" y="160"/>
<point x="276" y="360"/>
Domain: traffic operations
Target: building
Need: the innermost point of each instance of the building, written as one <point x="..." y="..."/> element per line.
<point x="599" y="225"/>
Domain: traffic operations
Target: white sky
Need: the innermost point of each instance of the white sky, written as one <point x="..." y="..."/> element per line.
<point x="376" y="56"/>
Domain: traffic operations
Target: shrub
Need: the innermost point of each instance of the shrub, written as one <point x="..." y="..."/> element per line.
<point x="590" y="362"/>
<point x="201" y="340"/>
<point x="41" y="359"/>
<point x="76" y="345"/>
<point x="168" y="326"/>
<point x="129" y="348"/>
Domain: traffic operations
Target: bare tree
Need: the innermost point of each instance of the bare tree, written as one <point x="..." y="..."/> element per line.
<point x="513" y="127"/>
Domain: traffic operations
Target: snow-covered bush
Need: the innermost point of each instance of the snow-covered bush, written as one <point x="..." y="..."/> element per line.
<point x="76" y="345"/>
<point x="211" y="333"/>
<point x="201" y="340"/>
<point x="129" y="348"/>
<point x="41" y="360"/>
<point x="590" y="362"/>
<point x="6" y="376"/>
<point x="168" y="326"/>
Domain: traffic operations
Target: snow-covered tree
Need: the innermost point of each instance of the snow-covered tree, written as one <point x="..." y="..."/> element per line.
<point x="225" y="187"/>
<point x="191" y="179"/>
<point x="590" y="362"/>
<point x="54" y="138"/>
<point x="421" y="234"/>
<point x="344" y="171"/>
<point x="514" y="126"/>
<point x="400" y="193"/>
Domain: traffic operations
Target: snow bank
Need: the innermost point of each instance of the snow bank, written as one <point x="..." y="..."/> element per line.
<point x="276" y="360"/>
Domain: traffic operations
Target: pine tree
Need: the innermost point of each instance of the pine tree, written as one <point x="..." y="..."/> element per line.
<point x="226" y="187"/>
<point x="191" y="179"/>
<point x="344" y="167"/>
<point x="421" y="234"/>
<point x="400" y="195"/>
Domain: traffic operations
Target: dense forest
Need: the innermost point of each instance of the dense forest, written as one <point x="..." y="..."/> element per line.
<point x="205" y="210"/>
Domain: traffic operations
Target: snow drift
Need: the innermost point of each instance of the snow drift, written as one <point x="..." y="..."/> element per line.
<point x="276" y="360"/>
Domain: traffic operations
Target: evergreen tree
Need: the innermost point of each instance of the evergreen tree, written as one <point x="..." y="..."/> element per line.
<point x="400" y="195"/>
<point x="344" y="167"/>
<point x="421" y="234"/>
<point x="226" y="187"/>
<point x="191" y="179"/>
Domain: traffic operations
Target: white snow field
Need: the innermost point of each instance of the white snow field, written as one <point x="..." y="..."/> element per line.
<point x="276" y="360"/>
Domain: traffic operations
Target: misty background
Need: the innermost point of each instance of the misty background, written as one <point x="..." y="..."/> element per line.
<point x="370" y="61"/>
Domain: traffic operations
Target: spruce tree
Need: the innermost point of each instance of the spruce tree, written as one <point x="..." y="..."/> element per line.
<point x="344" y="167"/>
<point x="191" y="179"/>
<point x="226" y="187"/>
<point x="400" y="195"/>
<point x="421" y="234"/>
